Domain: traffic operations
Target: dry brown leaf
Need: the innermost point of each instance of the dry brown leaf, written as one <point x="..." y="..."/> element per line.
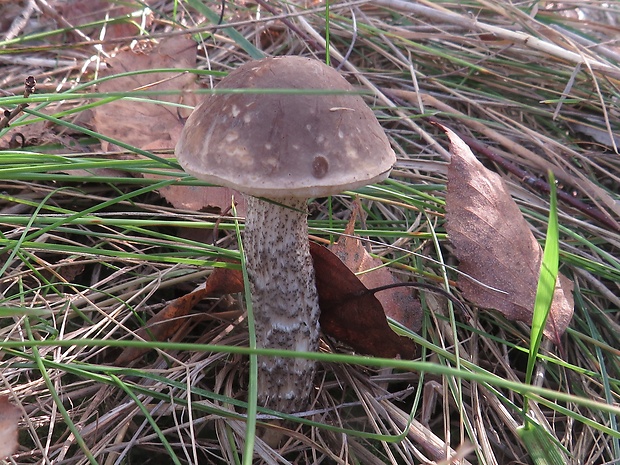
<point x="36" y="134"/>
<point x="495" y="246"/>
<point x="398" y="303"/>
<point x="156" y="126"/>
<point x="145" y="124"/>
<point x="9" y="416"/>
<point x="212" y="199"/>
<point x="352" y="315"/>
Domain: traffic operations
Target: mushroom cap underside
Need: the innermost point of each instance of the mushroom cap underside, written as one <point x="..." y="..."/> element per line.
<point x="279" y="144"/>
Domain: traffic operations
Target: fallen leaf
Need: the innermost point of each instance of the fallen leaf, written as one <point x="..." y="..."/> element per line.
<point x="352" y="315"/>
<point x="211" y="199"/>
<point x="495" y="246"/>
<point x="37" y="134"/>
<point x="148" y="123"/>
<point x="224" y="281"/>
<point x="154" y="125"/>
<point x="9" y="416"/>
<point x="398" y="303"/>
<point x="166" y="322"/>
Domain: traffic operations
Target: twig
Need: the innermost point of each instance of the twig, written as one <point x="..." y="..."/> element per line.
<point x="353" y="40"/>
<point x="49" y="11"/>
<point x="20" y="21"/>
<point x="537" y="183"/>
<point x="523" y="175"/>
<point x="8" y="115"/>
<point x="541" y="185"/>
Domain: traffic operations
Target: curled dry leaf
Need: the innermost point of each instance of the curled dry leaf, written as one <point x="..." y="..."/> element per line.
<point x="350" y="314"/>
<point x="495" y="246"/>
<point x="9" y="416"/>
<point x="398" y="303"/>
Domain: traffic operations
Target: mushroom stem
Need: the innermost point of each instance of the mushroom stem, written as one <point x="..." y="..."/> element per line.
<point x="284" y="299"/>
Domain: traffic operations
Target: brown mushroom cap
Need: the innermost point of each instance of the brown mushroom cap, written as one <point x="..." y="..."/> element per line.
<point x="285" y="144"/>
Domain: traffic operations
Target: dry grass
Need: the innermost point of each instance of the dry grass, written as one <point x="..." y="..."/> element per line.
<point x="92" y="254"/>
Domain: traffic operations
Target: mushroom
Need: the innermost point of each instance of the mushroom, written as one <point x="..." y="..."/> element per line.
<point x="281" y="148"/>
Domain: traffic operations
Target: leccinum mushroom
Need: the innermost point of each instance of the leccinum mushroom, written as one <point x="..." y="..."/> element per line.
<point x="285" y="147"/>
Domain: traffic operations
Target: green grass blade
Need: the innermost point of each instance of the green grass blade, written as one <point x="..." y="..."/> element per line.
<point x="541" y="446"/>
<point x="148" y="416"/>
<point x="250" y="432"/>
<point x="327" y="56"/>
<point x="232" y="33"/>
<point x="546" y="282"/>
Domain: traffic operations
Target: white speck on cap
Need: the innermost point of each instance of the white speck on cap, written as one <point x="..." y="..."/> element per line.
<point x="285" y="144"/>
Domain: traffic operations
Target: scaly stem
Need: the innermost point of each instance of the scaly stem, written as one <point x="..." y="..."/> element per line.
<point x="284" y="299"/>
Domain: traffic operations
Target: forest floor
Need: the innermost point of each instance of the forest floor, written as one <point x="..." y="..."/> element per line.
<point x="102" y="234"/>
